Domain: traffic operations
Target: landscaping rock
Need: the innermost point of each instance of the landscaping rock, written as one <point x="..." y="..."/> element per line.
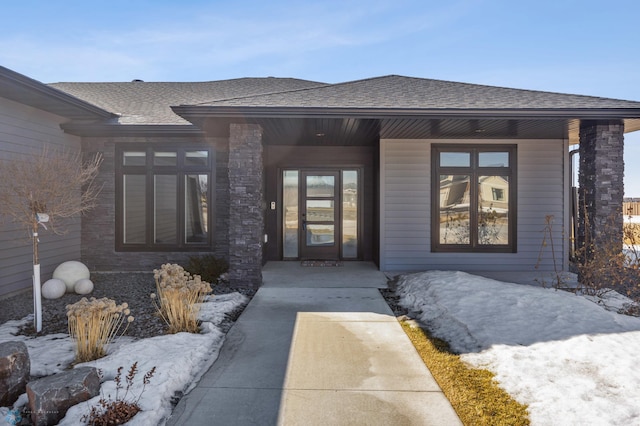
<point x="14" y="371"/>
<point x="51" y="397"/>
<point x="53" y="289"/>
<point x="83" y="286"/>
<point x="70" y="272"/>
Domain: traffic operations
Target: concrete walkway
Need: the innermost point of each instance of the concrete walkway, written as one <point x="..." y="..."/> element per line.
<point x="303" y="353"/>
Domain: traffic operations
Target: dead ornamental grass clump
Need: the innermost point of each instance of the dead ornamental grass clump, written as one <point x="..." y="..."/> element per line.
<point x="94" y="323"/>
<point x="179" y="297"/>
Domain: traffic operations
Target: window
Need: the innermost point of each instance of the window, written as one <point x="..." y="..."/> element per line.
<point x="163" y="198"/>
<point x="474" y="191"/>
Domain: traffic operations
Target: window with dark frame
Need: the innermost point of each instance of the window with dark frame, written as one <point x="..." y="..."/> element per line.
<point x="163" y="198"/>
<point x="474" y="202"/>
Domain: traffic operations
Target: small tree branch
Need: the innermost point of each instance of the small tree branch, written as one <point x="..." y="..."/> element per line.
<point x="56" y="182"/>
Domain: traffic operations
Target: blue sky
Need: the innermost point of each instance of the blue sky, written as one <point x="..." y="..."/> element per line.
<point x="585" y="47"/>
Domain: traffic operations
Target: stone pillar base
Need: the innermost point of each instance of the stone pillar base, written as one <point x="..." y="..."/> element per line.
<point x="246" y="216"/>
<point x="601" y="185"/>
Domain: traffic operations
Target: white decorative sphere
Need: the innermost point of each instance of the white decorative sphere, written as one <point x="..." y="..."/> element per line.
<point x="70" y="272"/>
<point x="83" y="286"/>
<point x="53" y="289"/>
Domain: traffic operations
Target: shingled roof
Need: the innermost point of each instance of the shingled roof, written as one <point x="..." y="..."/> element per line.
<point x="398" y="92"/>
<point x="139" y="102"/>
<point x="154" y="106"/>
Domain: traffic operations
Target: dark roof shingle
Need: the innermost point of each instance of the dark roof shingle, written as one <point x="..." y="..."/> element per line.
<point x="150" y="103"/>
<point x="140" y="102"/>
<point x="398" y="92"/>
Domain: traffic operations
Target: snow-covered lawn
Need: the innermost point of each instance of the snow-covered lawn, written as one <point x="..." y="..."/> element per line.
<point x="179" y="360"/>
<point x="566" y="356"/>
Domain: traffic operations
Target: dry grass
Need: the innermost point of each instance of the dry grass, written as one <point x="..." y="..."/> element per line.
<point x="631" y="233"/>
<point x="179" y="297"/>
<point x="93" y="324"/>
<point x="474" y="394"/>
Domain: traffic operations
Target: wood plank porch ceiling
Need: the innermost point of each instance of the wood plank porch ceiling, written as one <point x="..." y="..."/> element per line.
<point x="356" y="132"/>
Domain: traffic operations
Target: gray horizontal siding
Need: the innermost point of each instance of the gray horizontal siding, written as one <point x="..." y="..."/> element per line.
<point x="405" y="185"/>
<point x="23" y="132"/>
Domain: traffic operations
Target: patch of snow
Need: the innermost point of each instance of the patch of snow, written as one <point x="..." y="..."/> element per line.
<point x="569" y="359"/>
<point x="180" y="360"/>
<point x="631" y="219"/>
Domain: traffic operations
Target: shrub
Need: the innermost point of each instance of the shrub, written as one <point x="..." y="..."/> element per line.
<point x="93" y="324"/>
<point x="603" y="263"/>
<point x="179" y="296"/>
<point x="119" y="410"/>
<point x="209" y="267"/>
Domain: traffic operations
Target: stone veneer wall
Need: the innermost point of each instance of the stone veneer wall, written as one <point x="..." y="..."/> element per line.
<point x="246" y="216"/>
<point x="98" y="225"/>
<point x="601" y="179"/>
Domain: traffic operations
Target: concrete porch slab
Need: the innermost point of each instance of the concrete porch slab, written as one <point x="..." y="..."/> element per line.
<point x="350" y="274"/>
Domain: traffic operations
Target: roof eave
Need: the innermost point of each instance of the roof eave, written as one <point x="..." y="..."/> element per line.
<point x="28" y="91"/>
<point x="191" y="112"/>
<point x="97" y="130"/>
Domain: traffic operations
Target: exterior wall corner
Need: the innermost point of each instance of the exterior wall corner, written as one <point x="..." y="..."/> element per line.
<point x="601" y="182"/>
<point x="246" y="215"/>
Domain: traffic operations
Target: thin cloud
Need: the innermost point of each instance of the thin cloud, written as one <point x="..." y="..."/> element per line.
<point x="213" y="39"/>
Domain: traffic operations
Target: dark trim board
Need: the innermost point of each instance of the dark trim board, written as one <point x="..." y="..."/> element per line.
<point x="279" y="157"/>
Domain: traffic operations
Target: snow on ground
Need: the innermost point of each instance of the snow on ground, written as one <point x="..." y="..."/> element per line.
<point x="631" y="219"/>
<point x="180" y="359"/>
<point x="568" y="358"/>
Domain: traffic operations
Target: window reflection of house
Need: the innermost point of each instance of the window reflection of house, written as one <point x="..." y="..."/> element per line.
<point x="494" y="192"/>
<point x="454" y="192"/>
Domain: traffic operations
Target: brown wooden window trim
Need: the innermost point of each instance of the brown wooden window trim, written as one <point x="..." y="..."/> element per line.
<point x="180" y="170"/>
<point x="474" y="170"/>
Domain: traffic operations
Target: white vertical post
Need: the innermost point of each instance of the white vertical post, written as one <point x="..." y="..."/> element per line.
<point x="37" y="299"/>
<point x="37" y="290"/>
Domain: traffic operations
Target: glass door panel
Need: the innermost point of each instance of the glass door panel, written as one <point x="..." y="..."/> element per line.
<point x="320" y="226"/>
<point x="290" y="222"/>
<point x="320" y="214"/>
<point x="320" y="211"/>
<point x="321" y="235"/>
<point x="349" y="214"/>
<point x="321" y="186"/>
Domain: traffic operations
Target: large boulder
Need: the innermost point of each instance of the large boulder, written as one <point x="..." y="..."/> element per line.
<point x="14" y="371"/>
<point x="51" y="396"/>
<point x="70" y="272"/>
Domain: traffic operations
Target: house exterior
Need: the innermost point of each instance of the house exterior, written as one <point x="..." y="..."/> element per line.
<point x="409" y="173"/>
<point x="31" y="114"/>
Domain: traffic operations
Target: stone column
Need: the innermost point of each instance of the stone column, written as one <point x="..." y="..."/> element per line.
<point x="601" y="183"/>
<point x="246" y="200"/>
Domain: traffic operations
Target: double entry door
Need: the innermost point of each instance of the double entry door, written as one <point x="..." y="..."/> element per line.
<point x="320" y="214"/>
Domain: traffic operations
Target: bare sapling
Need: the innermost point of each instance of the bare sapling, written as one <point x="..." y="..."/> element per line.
<point x="44" y="190"/>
